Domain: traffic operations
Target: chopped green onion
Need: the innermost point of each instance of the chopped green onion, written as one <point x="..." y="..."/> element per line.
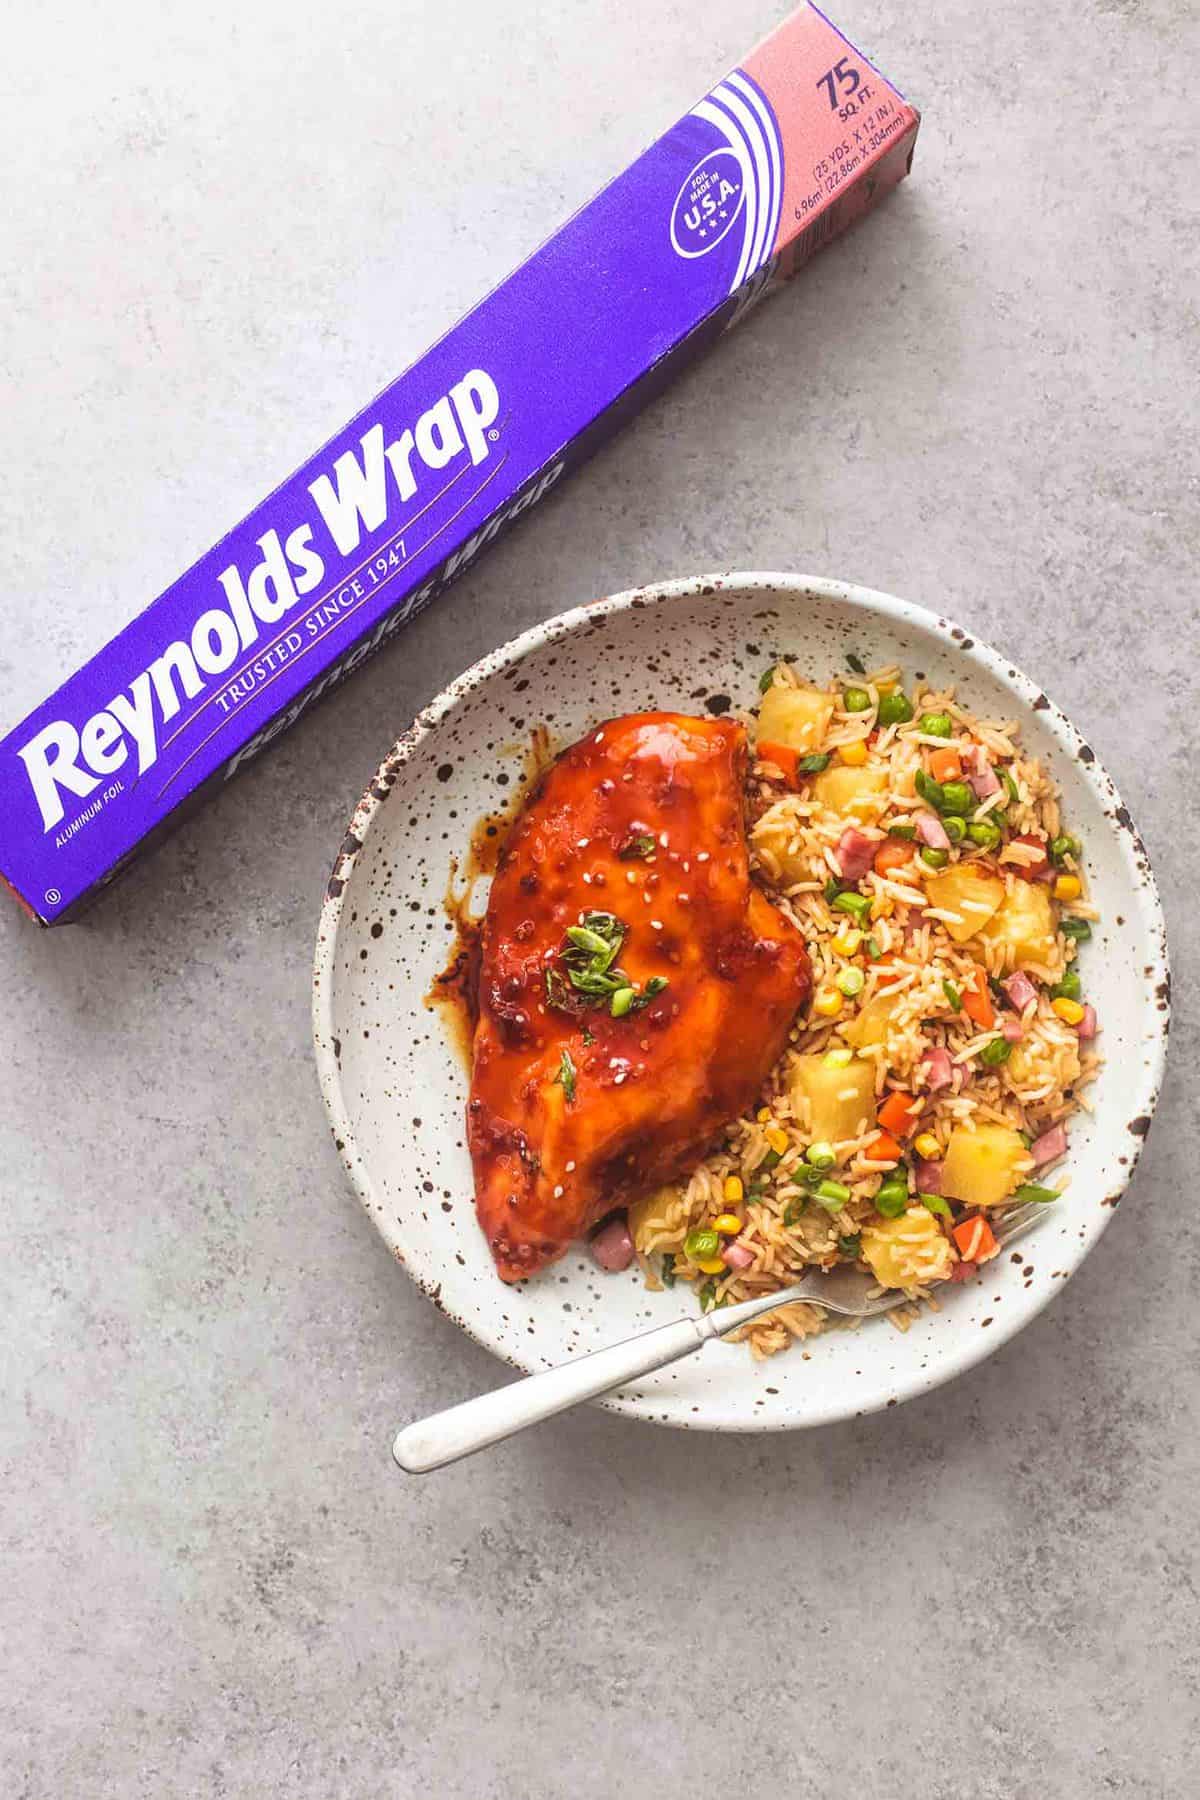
<point x="1069" y="988"/>
<point x="1063" y="846"/>
<point x="929" y="789"/>
<point x="952" y="994"/>
<point x="934" y="859"/>
<point x="641" y="846"/>
<point x="851" y="1244"/>
<point x="907" y="832"/>
<point x="892" y="1198"/>
<point x="872" y="949"/>
<point x="856" y="700"/>
<point x="832" y="1195"/>
<point x="668" y="1269"/>
<point x="766" y="679"/>
<point x="956" y="831"/>
<point x="857" y="905"/>
<point x="792" y="1211"/>
<point x="708" y="1295"/>
<point x="1014" y="792"/>
<point x="820" y="1156"/>
<point x="895" y="709"/>
<point x="985" y="832"/>
<point x="621" y="1002"/>
<point x="936" y="1204"/>
<point x="833" y="888"/>
<point x="849" y="981"/>
<point x="702" y="1245"/>
<point x="1031" y="1190"/>
<point x="995" y="1053"/>
<point x="937" y="725"/>
<point x="772" y="1159"/>
<point x="1079" y="929"/>
<point x="566" y="1075"/>
<point x="588" y="1036"/>
<point x="856" y="663"/>
<point x="957" y="797"/>
<point x="591" y="941"/>
<point x="814" y="764"/>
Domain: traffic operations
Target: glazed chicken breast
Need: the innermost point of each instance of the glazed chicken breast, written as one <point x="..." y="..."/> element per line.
<point x="635" y="987"/>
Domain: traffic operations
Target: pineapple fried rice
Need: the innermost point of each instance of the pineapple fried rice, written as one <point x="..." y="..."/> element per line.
<point x="923" y="857"/>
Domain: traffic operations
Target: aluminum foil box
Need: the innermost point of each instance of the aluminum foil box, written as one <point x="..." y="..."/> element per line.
<point x="782" y="155"/>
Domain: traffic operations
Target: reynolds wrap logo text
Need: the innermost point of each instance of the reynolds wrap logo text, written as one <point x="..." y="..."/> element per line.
<point x="353" y="500"/>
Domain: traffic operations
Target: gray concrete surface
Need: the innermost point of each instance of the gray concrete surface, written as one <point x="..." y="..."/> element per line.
<point x="223" y="228"/>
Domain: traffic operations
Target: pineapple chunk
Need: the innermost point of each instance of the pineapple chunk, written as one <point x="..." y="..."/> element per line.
<point x="1023" y="926"/>
<point x="908" y="1252"/>
<point x="797" y="717"/>
<point x="982" y="1167"/>
<point x="975" y="897"/>
<point x="844" y="789"/>
<point x="869" y="1026"/>
<point x="652" y="1206"/>
<point x="839" y="1099"/>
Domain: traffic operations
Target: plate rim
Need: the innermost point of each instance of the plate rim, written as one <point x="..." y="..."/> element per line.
<point x="1031" y="696"/>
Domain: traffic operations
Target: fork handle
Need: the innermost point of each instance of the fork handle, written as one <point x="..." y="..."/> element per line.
<point x="460" y="1430"/>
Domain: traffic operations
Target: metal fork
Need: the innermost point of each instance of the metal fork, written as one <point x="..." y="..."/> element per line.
<point x="475" y="1424"/>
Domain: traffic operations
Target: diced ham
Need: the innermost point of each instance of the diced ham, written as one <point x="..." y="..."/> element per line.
<point x="963" y="1271"/>
<point x="1050" y="1146"/>
<point x="982" y="776"/>
<point x="612" y="1246"/>
<point x="1012" y="1029"/>
<point x="928" y="1175"/>
<point x="931" y="831"/>
<point x="939" y="1070"/>
<point x="1089" y="1025"/>
<point x="736" y="1256"/>
<point x="1020" y="990"/>
<point x="1038" y="862"/>
<point x="855" y="854"/>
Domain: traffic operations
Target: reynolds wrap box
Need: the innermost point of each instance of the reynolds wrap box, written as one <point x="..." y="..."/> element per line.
<point x="782" y="155"/>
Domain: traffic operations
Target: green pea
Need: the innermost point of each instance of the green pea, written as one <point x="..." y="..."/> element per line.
<point x="1069" y="988"/>
<point x="957" y="797"/>
<point x="1063" y="846"/>
<point x="895" y="709"/>
<point x="856" y="699"/>
<point x="820" y="1156"/>
<point x="892" y="1198"/>
<point x="849" y="981"/>
<point x="984" y="832"/>
<point x="936" y="725"/>
<point x="934" y="859"/>
<point x="956" y="830"/>
<point x="702" y="1246"/>
<point x="997" y="1052"/>
<point x="832" y="1195"/>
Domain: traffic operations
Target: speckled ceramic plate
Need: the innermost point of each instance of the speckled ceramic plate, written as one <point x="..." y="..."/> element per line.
<point x="394" y="1081"/>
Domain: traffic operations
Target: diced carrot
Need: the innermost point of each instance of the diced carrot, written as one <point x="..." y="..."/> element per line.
<point x="977" y="1002"/>
<point x="883" y="1148"/>
<point x="892" y="854"/>
<point x="898" y="1114"/>
<point x="784" y="758"/>
<point x="975" y="1239"/>
<point x="886" y="971"/>
<point x="946" y="765"/>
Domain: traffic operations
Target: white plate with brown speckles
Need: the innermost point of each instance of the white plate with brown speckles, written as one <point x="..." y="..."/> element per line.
<point x="395" y="1084"/>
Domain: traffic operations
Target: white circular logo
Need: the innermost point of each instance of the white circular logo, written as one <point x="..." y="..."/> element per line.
<point x="707" y="205"/>
<point x="52" y="896"/>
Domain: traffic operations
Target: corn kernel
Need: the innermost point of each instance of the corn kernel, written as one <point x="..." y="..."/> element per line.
<point x="1068" y="887"/>
<point x="846" y="941"/>
<point x="713" y="1266"/>
<point x="764" y="1115"/>
<point x="855" y="754"/>
<point x="777" y="1139"/>
<point x="838" y="1059"/>
<point x="728" y="1224"/>
<point x="828" y="1003"/>
<point x="926" y="1146"/>
<point x="887" y="686"/>
<point x="1069" y="1011"/>
<point x="733" y="1190"/>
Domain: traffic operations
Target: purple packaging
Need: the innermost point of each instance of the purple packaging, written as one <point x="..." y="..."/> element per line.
<point x="780" y="157"/>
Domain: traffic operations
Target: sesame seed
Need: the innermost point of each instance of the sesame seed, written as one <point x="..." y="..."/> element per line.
<point x="582" y="843"/>
<point x="630" y="877"/>
<point x="558" y="1191"/>
<point x="656" y="924"/>
<point x="570" y="1167"/>
<point x="618" y="1079"/>
<point x="702" y="856"/>
<point x="683" y="899"/>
